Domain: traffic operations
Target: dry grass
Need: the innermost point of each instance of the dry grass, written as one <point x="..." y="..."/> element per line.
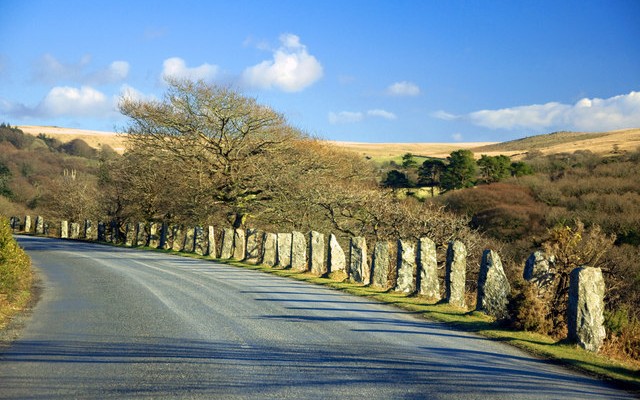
<point x="381" y="151"/>
<point x="94" y="139"/>
<point x="599" y="143"/>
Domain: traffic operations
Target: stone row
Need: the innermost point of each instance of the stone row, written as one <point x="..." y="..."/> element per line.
<point x="414" y="272"/>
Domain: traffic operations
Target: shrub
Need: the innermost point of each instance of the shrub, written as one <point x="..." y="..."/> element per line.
<point x="624" y="334"/>
<point x="505" y="211"/>
<point x="526" y="310"/>
<point x="15" y="266"/>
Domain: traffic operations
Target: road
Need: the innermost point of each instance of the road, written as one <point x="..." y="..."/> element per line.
<point x="124" y="323"/>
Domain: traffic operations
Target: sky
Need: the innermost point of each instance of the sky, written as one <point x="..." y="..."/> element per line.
<point x="349" y="70"/>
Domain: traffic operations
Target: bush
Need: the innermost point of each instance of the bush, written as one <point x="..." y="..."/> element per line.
<point x="624" y="334"/>
<point x="526" y="310"/>
<point x="15" y="266"/>
<point x="80" y="148"/>
<point x="505" y="211"/>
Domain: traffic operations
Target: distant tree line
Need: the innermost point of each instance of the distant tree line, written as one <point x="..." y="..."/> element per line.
<point x="459" y="170"/>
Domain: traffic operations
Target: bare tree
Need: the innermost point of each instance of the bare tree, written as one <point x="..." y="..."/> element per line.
<point x="218" y="135"/>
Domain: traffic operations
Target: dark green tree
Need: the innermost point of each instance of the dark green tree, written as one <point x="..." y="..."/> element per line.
<point x="5" y="178"/>
<point x="520" y="168"/>
<point x="396" y="179"/>
<point x="430" y="173"/>
<point x="409" y="161"/>
<point x="460" y="171"/>
<point x="494" y="168"/>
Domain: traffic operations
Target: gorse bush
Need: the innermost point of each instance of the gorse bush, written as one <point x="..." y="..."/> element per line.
<point x="527" y="310"/>
<point x="15" y="267"/>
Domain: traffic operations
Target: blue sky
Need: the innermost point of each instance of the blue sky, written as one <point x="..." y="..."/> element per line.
<point x="367" y="71"/>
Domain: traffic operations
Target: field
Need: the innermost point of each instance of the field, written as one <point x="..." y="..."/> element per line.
<point x="600" y="143"/>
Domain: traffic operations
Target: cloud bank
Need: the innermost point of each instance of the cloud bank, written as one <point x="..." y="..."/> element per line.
<point x="292" y="68"/>
<point x="617" y="112"/>
<point x="64" y="101"/>
<point x="52" y="71"/>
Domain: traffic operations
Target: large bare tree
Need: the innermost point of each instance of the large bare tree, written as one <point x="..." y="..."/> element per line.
<point x="218" y="136"/>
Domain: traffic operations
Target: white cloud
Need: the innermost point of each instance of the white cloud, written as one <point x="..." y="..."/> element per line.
<point x="457" y="137"/>
<point x="64" y="101"/>
<point x="176" y="67"/>
<point x="70" y="101"/>
<point x="403" y="88"/>
<point x="129" y="92"/>
<point x="533" y="116"/>
<point x="345" y="117"/>
<point x="440" y="114"/>
<point x="595" y="114"/>
<point x="116" y="72"/>
<point x="50" y="70"/>
<point x="348" y="117"/>
<point x="291" y="70"/>
<point x="382" y="113"/>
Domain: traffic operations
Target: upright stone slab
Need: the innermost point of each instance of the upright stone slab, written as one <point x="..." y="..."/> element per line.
<point x="130" y="235"/>
<point x="39" y="225"/>
<point x="189" y="240"/>
<point x="113" y="232"/>
<point x="284" y="249"/>
<point x="299" y="252"/>
<point x="254" y="246"/>
<point x="27" y="224"/>
<point x="142" y="235"/>
<point x="380" y="264"/>
<point x="429" y="285"/>
<point x="269" y="249"/>
<point x="199" y="241"/>
<point x="337" y="259"/>
<point x="74" y="230"/>
<point x="585" y="316"/>
<point x="359" y="270"/>
<point x="227" y="244"/>
<point x="455" y="274"/>
<point x="165" y="233"/>
<point x="64" y="230"/>
<point x="239" y="244"/>
<point x="178" y="235"/>
<point x="317" y="254"/>
<point x="211" y="242"/>
<point x="539" y="269"/>
<point x="14" y="223"/>
<point x="83" y="229"/>
<point x="407" y="267"/>
<point x="493" y="286"/>
<point x="89" y="232"/>
<point x="102" y="232"/>
<point x="154" y="234"/>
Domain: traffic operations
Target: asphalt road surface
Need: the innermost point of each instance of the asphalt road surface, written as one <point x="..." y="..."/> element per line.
<point x="125" y="323"/>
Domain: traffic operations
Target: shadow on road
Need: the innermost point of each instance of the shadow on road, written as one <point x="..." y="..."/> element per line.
<point x="232" y="368"/>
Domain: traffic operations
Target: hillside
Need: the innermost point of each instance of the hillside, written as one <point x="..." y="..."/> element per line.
<point x="94" y="139"/>
<point x="558" y="142"/>
<point x="385" y="151"/>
